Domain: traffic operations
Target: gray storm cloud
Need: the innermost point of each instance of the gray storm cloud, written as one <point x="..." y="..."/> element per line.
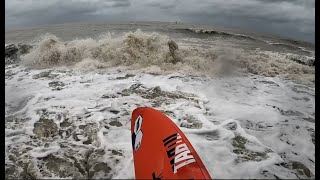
<point x="291" y="18"/>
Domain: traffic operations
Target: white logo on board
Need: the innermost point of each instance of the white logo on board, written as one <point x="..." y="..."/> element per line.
<point x="137" y="133"/>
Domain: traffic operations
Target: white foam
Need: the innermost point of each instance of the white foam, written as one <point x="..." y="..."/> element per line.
<point x="226" y="108"/>
<point x="39" y="152"/>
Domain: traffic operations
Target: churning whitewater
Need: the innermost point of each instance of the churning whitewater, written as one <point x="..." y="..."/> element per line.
<point x="245" y="102"/>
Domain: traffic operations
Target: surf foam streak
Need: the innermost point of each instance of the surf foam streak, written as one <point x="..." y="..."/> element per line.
<point x="139" y="50"/>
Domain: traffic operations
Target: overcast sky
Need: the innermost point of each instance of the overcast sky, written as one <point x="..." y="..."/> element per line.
<point x="291" y="18"/>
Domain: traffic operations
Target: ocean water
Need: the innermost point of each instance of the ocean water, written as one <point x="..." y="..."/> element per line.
<point x="244" y="100"/>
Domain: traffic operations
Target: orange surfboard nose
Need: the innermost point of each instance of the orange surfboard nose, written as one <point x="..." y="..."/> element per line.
<point x="161" y="150"/>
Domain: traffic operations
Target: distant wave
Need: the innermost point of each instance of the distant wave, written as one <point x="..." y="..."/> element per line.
<point x="220" y="33"/>
<point x="290" y="47"/>
<point x="287" y="43"/>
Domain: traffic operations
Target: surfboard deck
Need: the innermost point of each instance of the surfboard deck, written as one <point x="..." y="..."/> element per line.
<point x="161" y="150"/>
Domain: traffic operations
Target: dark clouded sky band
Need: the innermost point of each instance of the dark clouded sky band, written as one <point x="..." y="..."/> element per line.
<point x="288" y="18"/>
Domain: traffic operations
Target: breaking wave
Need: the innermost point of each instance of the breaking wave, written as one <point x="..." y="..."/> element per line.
<point x="139" y="50"/>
